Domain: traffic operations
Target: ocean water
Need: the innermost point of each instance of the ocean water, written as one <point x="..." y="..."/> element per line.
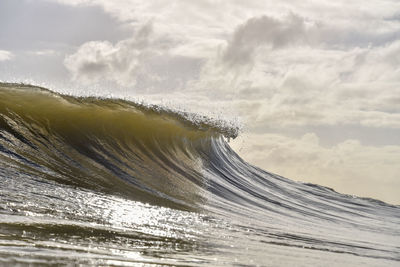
<point x="89" y="181"/>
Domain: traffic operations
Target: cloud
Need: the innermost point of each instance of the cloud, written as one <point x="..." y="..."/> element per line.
<point x="380" y="64"/>
<point x="122" y="62"/>
<point x="349" y="167"/>
<point x="294" y="30"/>
<point x="261" y="31"/>
<point x="5" y="55"/>
<point x="144" y="61"/>
<point x="302" y="86"/>
<point x="43" y="52"/>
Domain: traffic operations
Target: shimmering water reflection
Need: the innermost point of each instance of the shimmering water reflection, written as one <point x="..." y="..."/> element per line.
<point x="61" y="224"/>
<point x="56" y="224"/>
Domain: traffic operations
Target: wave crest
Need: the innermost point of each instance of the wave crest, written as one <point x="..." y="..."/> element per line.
<point x="144" y="152"/>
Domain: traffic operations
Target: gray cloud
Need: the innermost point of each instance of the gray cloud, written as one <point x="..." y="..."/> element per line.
<point x="295" y="30"/>
<point x="143" y="61"/>
<point x="97" y="60"/>
<point x="261" y="31"/>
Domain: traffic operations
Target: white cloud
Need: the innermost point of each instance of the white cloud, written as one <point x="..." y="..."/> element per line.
<point x="5" y="55"/>
<point x="315" y="86"/>
<point x="143" y="61"/>
<point x="43" y="52"/>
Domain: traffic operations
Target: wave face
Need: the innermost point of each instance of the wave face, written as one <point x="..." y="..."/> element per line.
<point x="111" y="182"/>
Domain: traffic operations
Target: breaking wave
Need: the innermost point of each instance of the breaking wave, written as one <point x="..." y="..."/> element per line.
<point x="62" y="149"/>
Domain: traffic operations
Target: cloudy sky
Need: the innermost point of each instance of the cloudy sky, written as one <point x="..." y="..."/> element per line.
<point x="316" y="83"/>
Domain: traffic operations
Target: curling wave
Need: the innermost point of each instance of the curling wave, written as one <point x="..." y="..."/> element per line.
<point x="142" y="152"/>
<point x="174" y="160"/>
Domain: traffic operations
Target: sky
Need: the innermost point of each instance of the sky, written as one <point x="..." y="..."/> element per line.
<point x="315" y="84"/>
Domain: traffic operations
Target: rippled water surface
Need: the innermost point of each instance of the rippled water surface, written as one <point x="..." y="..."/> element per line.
<point x="109" y="182"/>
